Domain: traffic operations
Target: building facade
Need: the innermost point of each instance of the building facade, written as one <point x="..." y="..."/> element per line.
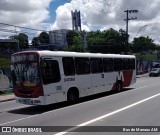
<point x="59" y="38"/>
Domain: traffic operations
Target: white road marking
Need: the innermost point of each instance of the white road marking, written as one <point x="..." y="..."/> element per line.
<point x="58" y="109"/>
<point x="107" y="115"/>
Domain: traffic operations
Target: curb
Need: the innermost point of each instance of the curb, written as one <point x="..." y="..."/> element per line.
<point x="6" y="97"/>
<point x="143" y="75"/>
<point x="5" y="100"/>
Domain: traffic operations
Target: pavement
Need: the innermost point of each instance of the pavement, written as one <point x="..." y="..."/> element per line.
<point x="9" y="97"/>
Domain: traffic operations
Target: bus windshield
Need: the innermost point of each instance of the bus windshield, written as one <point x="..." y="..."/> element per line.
<point x="25" y="70"/>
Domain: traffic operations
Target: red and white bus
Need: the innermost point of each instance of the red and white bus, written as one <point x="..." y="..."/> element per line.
<point x="47" y="77"/>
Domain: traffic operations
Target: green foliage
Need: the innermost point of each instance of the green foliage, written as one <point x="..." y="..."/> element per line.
<point x="107" y="41"/>
<point x="71" y="35"/>
<point x="142" y="44"/>
<point x="74" y="41"/>
<point x="5" y="62"/>
<point x="23" y="40"/>
<point x="44" y="37"/>
<point x="75" y="48"/>
<point x="152" y="57"/>
<point x="35" y="41"/>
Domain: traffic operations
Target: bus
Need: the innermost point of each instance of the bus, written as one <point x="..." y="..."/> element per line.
<point x="47" y="77"/>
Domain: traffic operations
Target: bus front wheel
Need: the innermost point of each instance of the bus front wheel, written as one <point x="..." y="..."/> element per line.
<point x="72" y="96"/>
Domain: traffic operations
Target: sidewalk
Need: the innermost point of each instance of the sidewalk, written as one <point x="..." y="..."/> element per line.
<point x="9" y="97"/>
<point x="143" y="75"/>
<point x="6" y="97"/>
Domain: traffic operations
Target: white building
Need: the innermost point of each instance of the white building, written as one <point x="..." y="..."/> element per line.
<point x="58" y="38"/>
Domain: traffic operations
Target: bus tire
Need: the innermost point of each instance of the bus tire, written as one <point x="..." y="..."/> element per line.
<point x="72" y="95"/>
<point x="118" y="85"/>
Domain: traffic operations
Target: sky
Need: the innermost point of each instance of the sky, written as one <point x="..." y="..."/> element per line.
<point x="95" y="15"/>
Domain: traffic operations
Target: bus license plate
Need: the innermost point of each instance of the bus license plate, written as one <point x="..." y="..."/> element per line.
<point x="25" y="101"/>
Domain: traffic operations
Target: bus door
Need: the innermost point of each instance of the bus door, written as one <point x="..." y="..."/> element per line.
<point x="52" y="80"/>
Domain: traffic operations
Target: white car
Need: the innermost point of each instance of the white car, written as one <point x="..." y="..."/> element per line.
<point x="155" y="72"/>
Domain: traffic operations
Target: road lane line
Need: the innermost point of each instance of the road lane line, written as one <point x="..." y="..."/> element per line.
<point x="107" y="115"/>
<point x="1" y="124"/>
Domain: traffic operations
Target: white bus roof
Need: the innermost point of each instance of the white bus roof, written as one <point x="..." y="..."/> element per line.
<point x="77" y="54"/>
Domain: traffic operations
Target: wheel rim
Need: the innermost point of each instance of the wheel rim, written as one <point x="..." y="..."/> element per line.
<point x="118" y="87"/>
<point x="72" y="97"/>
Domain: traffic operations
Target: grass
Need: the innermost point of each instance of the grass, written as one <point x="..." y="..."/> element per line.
<point x="5" y="62"/>
<point x="6" y="92"/>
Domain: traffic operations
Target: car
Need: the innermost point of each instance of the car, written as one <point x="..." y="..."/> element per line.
<point x="154" y="72"/>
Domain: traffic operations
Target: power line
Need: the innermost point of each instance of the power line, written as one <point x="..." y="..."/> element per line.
<point x="21" y="27"/>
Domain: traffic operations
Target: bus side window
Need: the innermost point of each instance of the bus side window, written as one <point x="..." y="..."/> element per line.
<point x="68" y="66"/>
<point x="126" y="64"/>
<point x="96" y="65"/>
<point x="50" y="71"/>
<point x="117" y="64"/>
<point x="82" y="66"/>
<point x="132" y="63"/>
<point x="108" y="64"/>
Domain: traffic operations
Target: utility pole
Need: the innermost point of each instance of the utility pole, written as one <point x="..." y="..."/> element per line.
<point x="127" y="20"/>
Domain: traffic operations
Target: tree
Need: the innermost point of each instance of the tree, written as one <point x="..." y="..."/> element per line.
<point x="70" y="37"/>
<point x="35" y="41"/>
<point x="76" y="48"/>
<point x="23" y="40"/>
<point x="142" y="44"/>
<point x="107" y="41"/>
<point x="74" y="41"/>
<point x="44" y="37"/>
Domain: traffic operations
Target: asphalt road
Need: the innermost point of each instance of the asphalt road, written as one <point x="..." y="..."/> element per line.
<point x="134" y="106"/>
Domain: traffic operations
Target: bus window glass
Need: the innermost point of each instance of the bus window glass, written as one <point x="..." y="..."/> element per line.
<point x="117" y="64"/>
<point x="96" y="65"/>
<point x="126" y="64"/>
<point x="50" y="71"/>
<point x="68" y="66"/>
<point x="82" y="66"/>
<point x="26" y="70"/>
<point x="108" y="64"/>
<point x="26" y="74"/>
<point x="132" y="65"/>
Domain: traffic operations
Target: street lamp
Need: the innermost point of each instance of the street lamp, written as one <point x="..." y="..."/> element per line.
<point x="140" y="29"/>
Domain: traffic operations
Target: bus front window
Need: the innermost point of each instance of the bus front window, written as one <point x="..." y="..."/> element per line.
<point x="26" y="74"/>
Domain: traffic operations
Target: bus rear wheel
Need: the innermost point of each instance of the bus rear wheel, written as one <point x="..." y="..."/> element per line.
<point x="118" y="86"/>
<point x="72" y="96"/>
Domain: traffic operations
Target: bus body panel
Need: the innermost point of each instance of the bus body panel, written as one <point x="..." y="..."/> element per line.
<point x="84" y="84"/>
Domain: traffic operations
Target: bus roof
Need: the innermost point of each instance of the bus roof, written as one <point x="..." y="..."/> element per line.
<point x="46" y="53"/>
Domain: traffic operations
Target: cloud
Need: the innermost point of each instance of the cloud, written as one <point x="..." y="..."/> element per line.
<point x="95" y="15"/>
<point x="105" y="14"/>
<point x="24" y="12"/>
